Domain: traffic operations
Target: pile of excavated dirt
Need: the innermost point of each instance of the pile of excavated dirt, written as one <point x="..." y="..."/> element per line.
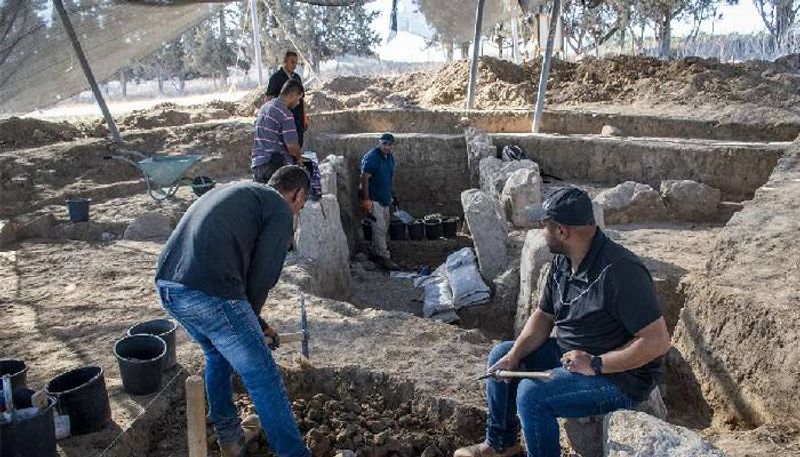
<point x="16" y="132"/>
<point x="170" y="114"/>
<point x="621" y="79"/>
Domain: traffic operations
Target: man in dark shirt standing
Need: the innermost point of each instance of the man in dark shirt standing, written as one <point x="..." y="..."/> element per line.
<point x="377" y="194"/>
<point x="276" y="82"/>
<point x="609" y="344"/>
<point x="213" y="277"/>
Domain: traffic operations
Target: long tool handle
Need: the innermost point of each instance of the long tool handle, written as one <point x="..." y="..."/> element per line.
<point x="196" y="416"/>
<point x="523" y="374"/>
<point x="287" y="337"/>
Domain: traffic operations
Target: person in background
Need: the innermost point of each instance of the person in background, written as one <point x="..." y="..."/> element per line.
<point x="377" y="194"/>
<point x="278" y="80"/>
<point x="275" y="142"/>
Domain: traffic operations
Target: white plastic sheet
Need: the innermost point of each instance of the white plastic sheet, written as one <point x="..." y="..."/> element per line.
<point x="437" y="297"/>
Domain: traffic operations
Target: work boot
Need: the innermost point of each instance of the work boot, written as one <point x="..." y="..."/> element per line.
<point x="386" y="263"/>
<point x="484" y="450"/>
<point x="251" y="427"/>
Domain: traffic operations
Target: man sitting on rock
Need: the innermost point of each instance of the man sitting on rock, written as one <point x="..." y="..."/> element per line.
<point x="213" y="277"/>
<point x="275" y="142"/>
<point x="609" y="344"/>
<point x="377" y="194"/>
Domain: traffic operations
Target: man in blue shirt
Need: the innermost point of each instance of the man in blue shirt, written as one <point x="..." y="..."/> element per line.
<point x="377" y="194"/>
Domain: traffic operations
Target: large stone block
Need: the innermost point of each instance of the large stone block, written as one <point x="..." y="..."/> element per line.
<point x="488" y="227"/>
<point x="320" y="238"/>
<point x="494" y="173"/>
<point x="535" y="255"/>
<point x="149" y="226"/>
<point x="688" y="200"/>
<point x="521" y="192"/>
<point x="631" y="202"/>
<point x="630" y="433"/>
<point x="496" y="318"/>
<point x="479" y="146"/>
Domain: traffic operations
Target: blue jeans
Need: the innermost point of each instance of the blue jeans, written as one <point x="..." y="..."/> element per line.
<point x="232" y="340"/>
<point x="538" y="403"/>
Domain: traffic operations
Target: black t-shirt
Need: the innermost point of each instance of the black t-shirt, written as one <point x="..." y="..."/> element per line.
<point x="276" y="82"/>
<point x="602" y="306"/>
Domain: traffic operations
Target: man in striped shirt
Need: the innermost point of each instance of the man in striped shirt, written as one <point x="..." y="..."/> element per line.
<point x="276" y="142"/>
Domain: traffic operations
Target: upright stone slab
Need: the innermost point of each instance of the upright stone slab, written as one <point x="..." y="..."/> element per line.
<point x="521" y="192"/>
<point x="535" y="255"/>
<point x="630" y="434"/>
<point x="345" y="189"/>
<point x="327" y="174"/>
<point x="631" y="202"/>
<point x="479" y="146"/>
<point x="690" y="201"/>
<point x="320" y="238"/>
<point x="496" y="318"/>
<point x="488" y="227"/>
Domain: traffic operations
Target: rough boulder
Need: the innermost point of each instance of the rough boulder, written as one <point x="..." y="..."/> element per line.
<point x="479" y="146"/>
<point x="494" y="173"/>
<point x="535" y="255"/>
<point x="631" y="202"/>
<point x="688" y="200"/>
<point x="630" y="433"/>
<point x="521" y="192"/>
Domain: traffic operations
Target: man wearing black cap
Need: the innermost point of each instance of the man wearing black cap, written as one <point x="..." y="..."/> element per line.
<point x="377" y="194"/>
<point x="609" y="344"/>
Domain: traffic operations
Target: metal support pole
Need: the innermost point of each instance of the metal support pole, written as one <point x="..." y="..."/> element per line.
<point x="514" y="40"/>
<point x="256" y="40"/>
<point x="476" y="49"/>
<point x="548" y="53"/>
<point x="87" y="70"/>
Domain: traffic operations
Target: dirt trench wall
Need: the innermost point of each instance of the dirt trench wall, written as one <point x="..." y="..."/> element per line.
<point x="431" y="170"/>
<point x="553" y="121"/>
<point x="736" y="169"/>
<point x="738" y="335"/>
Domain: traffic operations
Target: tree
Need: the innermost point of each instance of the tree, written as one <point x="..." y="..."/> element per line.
<point x="779" y="17"/>
<point x="454" y="22"/>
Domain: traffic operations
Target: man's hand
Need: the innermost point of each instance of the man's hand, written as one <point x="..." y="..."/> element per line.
<point x="578" y="362"/>
<point x="508" y="362"/>
<point x="366" y="205"/>
<point x="273" y="336"/>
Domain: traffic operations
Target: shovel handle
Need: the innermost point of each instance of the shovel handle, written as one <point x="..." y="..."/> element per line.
<point x="287" y="338"/>
<point x="523" y="374"/>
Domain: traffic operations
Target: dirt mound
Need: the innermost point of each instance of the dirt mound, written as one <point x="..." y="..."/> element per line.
<point x="170" y="114"/>
<point x="621" y="79"/>
<point x="18" y="132"/>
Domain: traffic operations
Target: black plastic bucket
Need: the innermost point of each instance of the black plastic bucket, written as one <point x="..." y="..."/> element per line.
<point x="141" y="363"/>
<point x="31" y="437"/>
<point x="433" y="229"/>
<point x="82" y="395"/>
<point x="18" y="370"/>
<point x="450" y="227"/>
<point x="164" y="329"/>
<point x="366" y="228"/>
<point x="416" y="230"/>
<point x="397" y="231"/>
<point x="78" y="209"/>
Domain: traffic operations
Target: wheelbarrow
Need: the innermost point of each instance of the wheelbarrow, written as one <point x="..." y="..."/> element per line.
<point x="164" y="174"/>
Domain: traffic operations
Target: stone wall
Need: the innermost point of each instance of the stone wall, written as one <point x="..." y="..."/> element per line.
<point x="736" y="169"/>
<point x="737" y="339"/>
<point x="553" y="121"/>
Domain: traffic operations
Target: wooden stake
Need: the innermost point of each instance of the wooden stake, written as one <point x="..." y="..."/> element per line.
<point x="196" y="416"/>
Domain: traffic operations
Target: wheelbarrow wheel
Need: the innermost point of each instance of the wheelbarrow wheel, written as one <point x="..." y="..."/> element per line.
<point x="159" y="193"/>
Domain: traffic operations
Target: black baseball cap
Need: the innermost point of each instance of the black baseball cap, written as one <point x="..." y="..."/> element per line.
<point x="566" y="205"/>
<point x="387" y="138"/>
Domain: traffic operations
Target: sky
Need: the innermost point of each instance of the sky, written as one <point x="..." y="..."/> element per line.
<point x="411" y="47"/>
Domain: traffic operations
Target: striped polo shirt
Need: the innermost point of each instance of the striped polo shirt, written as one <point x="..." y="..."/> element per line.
<point x="275" y="128"/>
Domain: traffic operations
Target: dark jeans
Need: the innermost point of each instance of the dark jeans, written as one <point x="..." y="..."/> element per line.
<point x="262" y="173"/>
<point x="231" y="338"/>
<point x="538" y="403"/>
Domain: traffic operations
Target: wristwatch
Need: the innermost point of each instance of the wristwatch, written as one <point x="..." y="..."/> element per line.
<point x="597" y="364"/>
